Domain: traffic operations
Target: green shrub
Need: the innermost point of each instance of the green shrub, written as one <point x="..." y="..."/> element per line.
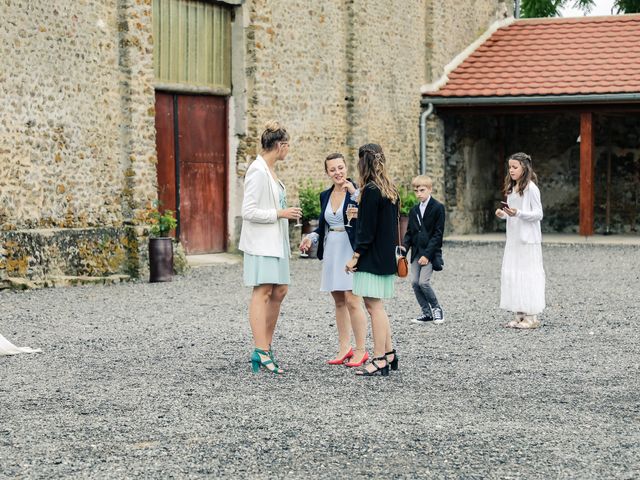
<point x="408" y="200"/>
<point x="309" y="195"/>
<point x="161" y="223"/>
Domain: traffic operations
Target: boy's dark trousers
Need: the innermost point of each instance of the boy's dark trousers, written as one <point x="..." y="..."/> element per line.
<point x="421" y="283"/>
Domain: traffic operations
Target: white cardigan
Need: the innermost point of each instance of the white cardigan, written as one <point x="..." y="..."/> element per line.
<point x="262" y="233"/>
<point x="530" y="215"/>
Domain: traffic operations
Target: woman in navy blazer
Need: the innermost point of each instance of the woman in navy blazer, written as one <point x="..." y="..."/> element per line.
<point x="336" y="240"/>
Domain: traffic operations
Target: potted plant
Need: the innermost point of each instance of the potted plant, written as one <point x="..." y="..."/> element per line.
<point x="309" y="196"/>
<point x="161" y="244"/>
<point x="408" y="200"/>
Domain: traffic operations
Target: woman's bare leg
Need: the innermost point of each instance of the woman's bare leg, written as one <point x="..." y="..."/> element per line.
<point x="343" y="324"/>
<point x="388" y="345"/>
<point x="358" y="324"/>
<point x="379" y="328"/>
<point x="258" y="316"/>
<point x="278" y="292"/>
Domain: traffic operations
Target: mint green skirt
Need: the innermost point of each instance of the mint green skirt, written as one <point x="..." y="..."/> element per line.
<point x="374" y="286"/>
<point x="260" y="270"/>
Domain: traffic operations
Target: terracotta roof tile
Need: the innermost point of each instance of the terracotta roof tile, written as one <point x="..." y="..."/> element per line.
<point x="559" y="56"/>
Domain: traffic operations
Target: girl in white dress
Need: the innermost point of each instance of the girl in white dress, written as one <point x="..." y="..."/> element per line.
<point x="335" y="236"/>
<point x="522" y="279"/>
<point x="8" y="348"/>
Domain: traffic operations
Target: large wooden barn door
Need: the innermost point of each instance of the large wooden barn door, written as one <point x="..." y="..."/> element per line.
<point x="192" y="53"/>
<point x="193" y="175"/>
<point x="202" y="134"/>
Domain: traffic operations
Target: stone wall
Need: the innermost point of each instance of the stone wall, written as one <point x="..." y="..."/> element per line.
<point x="77" y="135"/>
<point x="476" y="151"/>
<point x="296" y="72"/>
<point x="472" y="179"/>
<point x="339" y="74"/>
<point x="451" y="27"/>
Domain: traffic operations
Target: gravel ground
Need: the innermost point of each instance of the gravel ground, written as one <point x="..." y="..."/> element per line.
<point x="153" y="380"/>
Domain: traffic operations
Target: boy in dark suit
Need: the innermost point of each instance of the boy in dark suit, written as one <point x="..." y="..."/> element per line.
<point x="424" y="237"/>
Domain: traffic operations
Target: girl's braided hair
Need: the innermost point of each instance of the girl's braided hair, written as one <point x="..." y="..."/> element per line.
<point x="528" y="175"/>
<point x="371" y="167"/>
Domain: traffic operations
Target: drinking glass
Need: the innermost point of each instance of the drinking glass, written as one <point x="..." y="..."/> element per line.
<point x="352" y="210"/>
<point x="298" y="219"/>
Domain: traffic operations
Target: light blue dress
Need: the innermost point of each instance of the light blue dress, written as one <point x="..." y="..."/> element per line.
<point x="337" y="252"/>
<point x="260" y="270"/>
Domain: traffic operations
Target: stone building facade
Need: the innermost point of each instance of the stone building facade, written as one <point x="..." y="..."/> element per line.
<point x="77" y="131"/>
<point x="77" y="138"/>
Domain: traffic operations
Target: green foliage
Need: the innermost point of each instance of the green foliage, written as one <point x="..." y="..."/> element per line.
<point x="309" y="195"/>
<point x="408" y="200"/>
<point x="551" y="8"/>
<point x="627" y="6"/>
<point x="161" y="223"/>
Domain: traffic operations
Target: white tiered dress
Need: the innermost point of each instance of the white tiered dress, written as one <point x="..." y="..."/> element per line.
<point x="8" y="348"/>
<point x="522" y="287"/>
<point x="337" y="252"/>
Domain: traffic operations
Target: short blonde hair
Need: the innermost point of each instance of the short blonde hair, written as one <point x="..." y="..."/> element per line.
<point x="422" y="181"/>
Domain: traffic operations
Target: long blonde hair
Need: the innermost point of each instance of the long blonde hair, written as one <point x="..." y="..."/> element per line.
<point x="528" y="175"/>
<point x="371" y="167"/>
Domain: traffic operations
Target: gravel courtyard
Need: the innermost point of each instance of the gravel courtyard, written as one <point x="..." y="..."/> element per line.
<point x="153" y="380"/>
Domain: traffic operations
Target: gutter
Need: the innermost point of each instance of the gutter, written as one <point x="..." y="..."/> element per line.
<point x="423" y="137"/>
<point x="530" y="100"/>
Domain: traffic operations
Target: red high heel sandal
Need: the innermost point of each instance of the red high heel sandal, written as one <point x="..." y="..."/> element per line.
<point x="365" y="357"/>
<point x="340" y="361"/>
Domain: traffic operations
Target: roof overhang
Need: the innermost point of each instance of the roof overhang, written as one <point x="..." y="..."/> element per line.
<point x="558" y="100"/>
<point x="230" y="2"/>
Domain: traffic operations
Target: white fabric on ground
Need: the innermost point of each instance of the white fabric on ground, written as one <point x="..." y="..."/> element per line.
<point x="8" y="348"/>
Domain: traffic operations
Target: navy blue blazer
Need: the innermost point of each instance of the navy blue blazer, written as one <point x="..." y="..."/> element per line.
<point x="322" y="223"/>
<point x="424" y="234"/>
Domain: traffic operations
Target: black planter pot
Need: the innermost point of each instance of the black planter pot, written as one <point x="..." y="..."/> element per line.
<point x="160" y="259"/>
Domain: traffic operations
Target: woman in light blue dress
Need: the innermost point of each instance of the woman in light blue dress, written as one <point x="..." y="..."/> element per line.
<point x="335" y="236"/>
<point x="264" y="239"/>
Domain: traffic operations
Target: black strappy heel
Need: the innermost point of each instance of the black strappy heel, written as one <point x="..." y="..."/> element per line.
<point x="393" y="363"/>
<point x="384" y="371"/>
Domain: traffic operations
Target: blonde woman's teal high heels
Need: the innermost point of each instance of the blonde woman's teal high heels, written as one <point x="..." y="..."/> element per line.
<point x="268" y="363"/>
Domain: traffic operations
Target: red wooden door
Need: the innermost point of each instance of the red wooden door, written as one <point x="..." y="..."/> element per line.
<point x="200" y="173"/>
<point x="202" y="143"/>
<point x="165" y="148"/>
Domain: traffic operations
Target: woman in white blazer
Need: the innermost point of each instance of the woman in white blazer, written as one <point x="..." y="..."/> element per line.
<point x="265" y="242"/>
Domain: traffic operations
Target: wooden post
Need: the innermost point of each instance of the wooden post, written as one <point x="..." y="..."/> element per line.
<point x="587" y="188"/>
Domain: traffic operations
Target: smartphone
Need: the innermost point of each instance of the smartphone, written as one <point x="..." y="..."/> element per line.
<point x="504" y="205"/>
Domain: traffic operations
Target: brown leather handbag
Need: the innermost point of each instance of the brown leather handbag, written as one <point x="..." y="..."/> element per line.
<point x="402" y="265"/>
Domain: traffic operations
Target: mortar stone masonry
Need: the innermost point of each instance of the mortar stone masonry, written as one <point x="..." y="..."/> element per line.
<point x="77" y="128"/>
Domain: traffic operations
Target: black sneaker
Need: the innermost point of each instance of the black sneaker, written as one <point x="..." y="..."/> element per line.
<point x="422" y="319"/>
<point x="438" y="315"/>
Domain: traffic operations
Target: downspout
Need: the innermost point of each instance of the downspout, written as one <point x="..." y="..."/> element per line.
<point x="423" y="138"/>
